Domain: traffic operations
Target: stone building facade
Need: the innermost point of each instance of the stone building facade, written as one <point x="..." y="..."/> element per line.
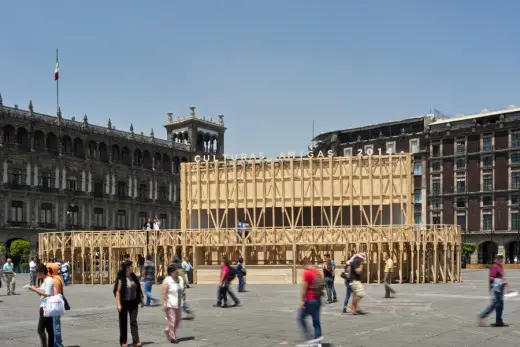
<point x="61" y="174"/>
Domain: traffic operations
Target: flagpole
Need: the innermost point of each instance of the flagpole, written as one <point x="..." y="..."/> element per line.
<point x="57" y="88"/>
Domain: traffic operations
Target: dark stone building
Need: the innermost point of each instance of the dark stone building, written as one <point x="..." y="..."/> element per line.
<point x="59" y="174"/>
<point x="466" y="168"/>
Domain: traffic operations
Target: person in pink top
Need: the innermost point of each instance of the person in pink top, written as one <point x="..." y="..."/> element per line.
<point x="224" y="284"/>
<point x="497" y="285"/>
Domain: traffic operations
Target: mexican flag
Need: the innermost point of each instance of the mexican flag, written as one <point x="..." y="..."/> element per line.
<point x="57" y="68"/>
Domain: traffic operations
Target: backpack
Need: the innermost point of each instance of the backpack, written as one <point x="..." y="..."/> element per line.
<point x="232" y="273"/>
<point x="318" y="284"/>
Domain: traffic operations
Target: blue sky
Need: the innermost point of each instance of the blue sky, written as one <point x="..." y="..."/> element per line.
<point x="271" y="67"/>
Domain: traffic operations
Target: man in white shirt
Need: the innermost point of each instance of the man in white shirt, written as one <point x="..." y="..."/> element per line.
<point x="32" y="272"/>
<point x="9" y="276"/>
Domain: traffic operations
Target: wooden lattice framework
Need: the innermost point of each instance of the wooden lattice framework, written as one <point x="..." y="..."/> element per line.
<point x="296" y="208"/>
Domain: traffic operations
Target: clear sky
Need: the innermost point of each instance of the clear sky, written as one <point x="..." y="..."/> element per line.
<point x="271" y="67"/>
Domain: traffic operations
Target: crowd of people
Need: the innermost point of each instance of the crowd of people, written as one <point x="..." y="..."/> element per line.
<point x="132" y="291"/>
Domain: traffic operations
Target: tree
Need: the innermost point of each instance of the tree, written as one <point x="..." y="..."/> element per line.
<point x="468" y="248"/>
<point x="20" y="248"/>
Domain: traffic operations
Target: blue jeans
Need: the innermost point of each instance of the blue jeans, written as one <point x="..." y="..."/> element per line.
<point x="329" y="286"/>
<point x="241" y="283"/>
<point x="65" y="278"/>
<point x="56" y="326"/>
<point x="349" y="293"/>
<point x="312" y="308"/>
<point x="497" y="304"/>
<point x="148" y="292"/>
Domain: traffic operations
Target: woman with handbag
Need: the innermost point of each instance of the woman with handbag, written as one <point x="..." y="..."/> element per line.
<point x="53" y="269"/>
<point x="46" y="290"/>
<point x="129" y="295"/>
<point x="174" y="292"/>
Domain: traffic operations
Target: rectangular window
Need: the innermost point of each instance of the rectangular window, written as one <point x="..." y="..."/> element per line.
<point x="417" y="168"/>
<point x="487" y="183"/>
<point x="414" y="146"/>
<point x="515" y="139"/>
<point x="487" y="201"/>
<point x="417" y="218"/>
<point x="98" y="217"/>
<point x="436" y="150"/>
<point x="515" y="158"/>
<point x="73" y="217"/>
<point x="515" y="221"/>
<point x="72" y="184"/>
<point x="347" y="151"/>
<point x="46" y="213"/>
<point x="121" y="190"/>
<point x="436" y="186"/>
<point x="514" y="199"/>
<point x="460" y="203"/>
<point x="515" y="180"/>
<point x="141" y="191"/>
<point x="45" y="179"/>
<point x="461" y="220"/>
<point x="436" y="220"/>
<point x="16" y="211"/>
<point x="460" y="147"/>
<point x="487" y="161"/>
<point x="163" y="193"/>
<point x="143" y="217"/>
<point x="460" y="164"/>
<point x="487" y="143"/>
<point x="436" y="204"/>
<point x="487" y="222"/>
<point x="121" y="219"/>
<point x="369" y="150"/>
<point x="163" y="219"/>
<point x="98" y="188"/>
<point x="461" y="185"/>
<point x="417" y="197"/>
<point x="390" y="147"/>
<point x="16" y="176"/>
<point x="436" y="166"/>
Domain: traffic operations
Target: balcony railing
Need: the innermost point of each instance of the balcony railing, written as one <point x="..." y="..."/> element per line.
<point x="17" y="224"/>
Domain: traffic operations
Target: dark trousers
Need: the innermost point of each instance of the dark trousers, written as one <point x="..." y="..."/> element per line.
<point x="45" y="325"/>
<point x="222" y="295"/>
<point x="129" y="308"/>
<point x="329" y="286"/>
<point x="312" y="308"/>
<point x="32" y="278"/>
<point x="388" y="281"/>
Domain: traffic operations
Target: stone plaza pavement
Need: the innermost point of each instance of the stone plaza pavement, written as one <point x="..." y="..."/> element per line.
<point x="420" y="315"/>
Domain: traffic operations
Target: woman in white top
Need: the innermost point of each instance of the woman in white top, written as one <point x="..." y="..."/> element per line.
<point x="173" y="291"/>
<point x="46" y="290"/>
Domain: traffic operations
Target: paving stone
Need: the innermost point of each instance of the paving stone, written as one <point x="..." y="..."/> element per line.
<point x="425" y="315"/>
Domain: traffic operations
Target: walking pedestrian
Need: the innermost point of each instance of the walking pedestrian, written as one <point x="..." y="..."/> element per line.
<point x="389" y="270"/>
<point x="32" y="272"/>
<point x="53" y="271"/>
<point x="241" y="274"/>
<point x="186" y="267"/>
<point x="224" y="289"/>
<point x="46" y="290"/>
<point x="348" y="279"/>
<point x="65" y="268"/>
<point x="129" y="296"/>
<point x="329" y="270"/>
<point x="312" y="289"/>
<point x="173" y="290"/>
<point x="149" y="279"/>
<point x="497" y="285"/>
<point x="9" y="276"/>
<point x="358" y="291"/>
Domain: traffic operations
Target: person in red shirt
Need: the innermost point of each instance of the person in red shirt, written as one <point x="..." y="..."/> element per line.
<point x="497" y="284"/>
<point x="310" y="300"/>
<point x="223" y="287"/>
